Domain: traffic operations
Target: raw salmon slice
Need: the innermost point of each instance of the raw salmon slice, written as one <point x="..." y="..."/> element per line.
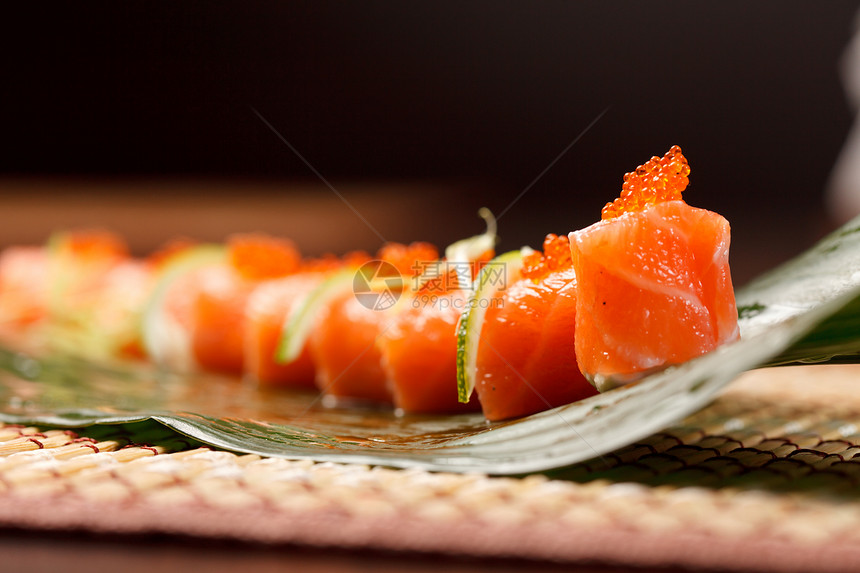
<point x="421" y="349"/>
<point x="268" y="308"/>
<point x="526" y="361"/>
<point x="218" y="300"/>
<point x="117" y="313"/>
<point x="78" y="263"/>
<point x="95" y="294"/>
<point x="654" y="286"/>
<point x="168" y="314"/>
<point x="345" y="340"/>
<point x="205" y="303"/>
<point x="23" y="287"/>
<point x="343" y="346"/>
<point x="419" y="352"/>
<point x="222" y="294"/>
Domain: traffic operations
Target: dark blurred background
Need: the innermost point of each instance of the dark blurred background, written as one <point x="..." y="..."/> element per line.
<point x="140" y="117"/>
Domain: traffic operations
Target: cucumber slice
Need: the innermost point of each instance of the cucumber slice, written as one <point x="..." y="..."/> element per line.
<point x="165" y="340"/>
<point x="466" y="251"/>
<point x="300" y="323"/>
<point x="486" y="287"/>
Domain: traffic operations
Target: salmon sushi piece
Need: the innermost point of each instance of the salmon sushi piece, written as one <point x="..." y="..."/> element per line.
<point x="117" y="312"/>
<point x="526" y="361"/>
<point x="217" y="306"/>
<point x="275" y="305"/>
<point x="220" y="295"/>
<point x="654" y="285"/>
<point x="197" y="322"/>
<point x="344" y="343"/>
<point x="96" y="292"/>
<point x="420" y="349"/>
<point x="344" y="350"/>
<point x="78" y="262"/>
<point x="23" y="287"/>
<point x="419" y="352"/>
<point x="269" y="307"/>
<point x="168" y="315"/>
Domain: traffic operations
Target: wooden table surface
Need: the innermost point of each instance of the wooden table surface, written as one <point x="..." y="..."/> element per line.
<point x="65" y="553"/>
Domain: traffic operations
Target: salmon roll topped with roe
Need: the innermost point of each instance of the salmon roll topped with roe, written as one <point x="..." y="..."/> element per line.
<point x="270" y="307"/>
<point x="345" y="342"/>
<point x="221" y="294"/>
<point x="95" y="292"/>
<point x="23" y="287"/>
<point x="526" y="361"/>
<point x="197" y="313"/>
<point x="654" y="287"/>
<point x="419" y="349"/>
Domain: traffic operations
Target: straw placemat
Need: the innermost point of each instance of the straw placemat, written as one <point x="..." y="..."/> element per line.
<point x="766" y="478"/>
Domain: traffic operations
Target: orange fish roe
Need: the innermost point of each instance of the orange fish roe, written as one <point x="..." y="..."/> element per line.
<point x="160" y="258"/>
<point x="93" y="244"/>
<point x="355" y="258"/>
<point x="327" y="262"/>
<point x="555" y="257"/>
<point x="407" y="258"/>
<point x="660" y="179"/>
<point x="256" y="256"/>
<point x="443" y="276"/>
<point x="330" y="262"/>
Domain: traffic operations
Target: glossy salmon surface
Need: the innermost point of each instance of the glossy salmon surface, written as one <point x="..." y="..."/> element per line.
<point x="219" y="296"/>
<point x="526" y="361"/>
<point x="345" y="352"/>
<point x="654" y="290"/>
<point x="24" y="286"/>
<point x="419" y="351"/>
<point x="268" y="308"/>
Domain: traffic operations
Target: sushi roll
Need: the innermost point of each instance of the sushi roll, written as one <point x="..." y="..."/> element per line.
<point x="90" y="293"/>
<point x="23" y="288"/>
<point x="419" y="353"/>
<point x="344" y="341"/>
<point x="519" y="356"/>
<point x="419" y="349"/>
<point x="270" y="308"/>
<point x="195" y="317"/>
<point x="653" y="281"/>
<point x="647" y="287"/>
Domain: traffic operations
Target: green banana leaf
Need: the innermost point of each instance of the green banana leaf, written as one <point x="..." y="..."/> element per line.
<point x="807" y="310"/>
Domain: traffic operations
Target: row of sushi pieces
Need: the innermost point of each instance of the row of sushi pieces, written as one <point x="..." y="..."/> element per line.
<point x="426" y="332"/>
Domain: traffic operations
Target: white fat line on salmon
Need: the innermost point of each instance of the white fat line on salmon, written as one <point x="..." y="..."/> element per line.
<point x="651" y="285"/>
<point x="660" y="220"/>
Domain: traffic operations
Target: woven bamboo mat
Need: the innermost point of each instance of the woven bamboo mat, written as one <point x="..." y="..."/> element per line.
<point x="766" y="478"/>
